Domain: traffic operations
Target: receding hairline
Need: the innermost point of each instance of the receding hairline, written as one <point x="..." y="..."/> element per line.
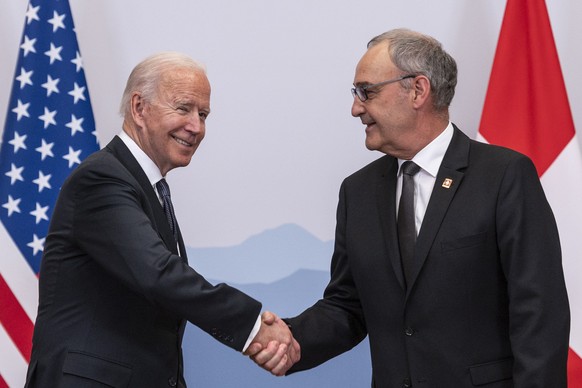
<point x="148" y="74"/>
<point x="170" y="59"/>
<point x="399" y="33"/>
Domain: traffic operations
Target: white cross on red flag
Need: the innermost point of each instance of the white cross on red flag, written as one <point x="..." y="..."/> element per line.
<point x="527" y="109"/>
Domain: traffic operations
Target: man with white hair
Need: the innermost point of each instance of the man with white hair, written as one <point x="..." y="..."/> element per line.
<point x="115" y="285"/>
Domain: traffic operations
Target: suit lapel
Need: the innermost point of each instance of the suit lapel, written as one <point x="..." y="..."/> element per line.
<point x="121" y="152"/>
<point x="181" y="245"/>
<point x="452" y="169"/>
<point x="386" y="200"/>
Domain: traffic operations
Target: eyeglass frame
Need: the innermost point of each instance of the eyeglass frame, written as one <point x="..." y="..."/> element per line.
<point x="356" y="90"/>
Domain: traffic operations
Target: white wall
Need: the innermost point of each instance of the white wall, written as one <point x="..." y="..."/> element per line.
<point x="280" y="138"/>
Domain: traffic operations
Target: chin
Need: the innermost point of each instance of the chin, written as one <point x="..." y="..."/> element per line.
<point x="183" y="162"/>
<point x="372" y="146"/>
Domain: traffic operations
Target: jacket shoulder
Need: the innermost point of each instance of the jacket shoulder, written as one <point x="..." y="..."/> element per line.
<point x="373" y="170"/>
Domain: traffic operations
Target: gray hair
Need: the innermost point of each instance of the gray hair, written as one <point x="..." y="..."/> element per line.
<point x="419" y="54"/>
<point x="146" y="76"/>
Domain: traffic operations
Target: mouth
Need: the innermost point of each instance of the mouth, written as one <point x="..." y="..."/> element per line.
<point x="369" y="125"/>
<point x="183" y="142"/>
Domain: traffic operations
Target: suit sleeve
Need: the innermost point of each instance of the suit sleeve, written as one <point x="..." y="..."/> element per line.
<point x="334" y="324"/>
<point x="111" y="224"/>
<point x="531" y="260"/>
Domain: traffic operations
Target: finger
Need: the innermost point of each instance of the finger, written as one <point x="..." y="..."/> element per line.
<point x="253" y="349"/>
<point x="293" y="355"/>
<point x="267" y="353"/>
<point x="282" y="366"/>
<point x="286" y="363"/>
<point x="275" y="361"/>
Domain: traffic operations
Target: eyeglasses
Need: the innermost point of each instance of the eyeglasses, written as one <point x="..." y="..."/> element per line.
<point x="361" y="91"/>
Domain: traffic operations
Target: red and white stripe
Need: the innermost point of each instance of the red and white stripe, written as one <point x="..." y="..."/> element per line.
<point x="18" y="308"/>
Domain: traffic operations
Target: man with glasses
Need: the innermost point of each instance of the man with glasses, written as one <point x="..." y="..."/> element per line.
<point x="446" y="251"/>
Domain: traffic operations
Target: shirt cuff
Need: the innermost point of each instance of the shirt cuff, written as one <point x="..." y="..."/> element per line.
<point x="254" y="332"/>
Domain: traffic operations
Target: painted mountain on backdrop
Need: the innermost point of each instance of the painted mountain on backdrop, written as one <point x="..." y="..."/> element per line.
<point x="287" y="269"/>
<point x="263" y="258"/>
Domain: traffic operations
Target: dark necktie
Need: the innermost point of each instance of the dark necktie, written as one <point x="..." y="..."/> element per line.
<point x="164" y="192"/>
<point x="406" y="224"/>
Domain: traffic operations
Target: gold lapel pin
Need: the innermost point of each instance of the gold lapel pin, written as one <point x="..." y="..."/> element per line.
<point x="447" y="183"/>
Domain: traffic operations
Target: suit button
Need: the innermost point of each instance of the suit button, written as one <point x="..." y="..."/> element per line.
<point x="409" y="331"/>
<point x="172" y="382"/>
<point x="406" y="383"/>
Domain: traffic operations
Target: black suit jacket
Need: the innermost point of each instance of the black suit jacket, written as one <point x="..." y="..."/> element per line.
<point x="487" y="305"/>
<point x="114" y="294"/>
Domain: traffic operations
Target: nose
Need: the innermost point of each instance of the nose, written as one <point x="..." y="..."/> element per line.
<point x="195" y="123"/>
<point x="358" y="107"/>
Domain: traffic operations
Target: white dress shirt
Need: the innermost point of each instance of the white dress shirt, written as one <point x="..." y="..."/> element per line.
<point x="429" y="160"/>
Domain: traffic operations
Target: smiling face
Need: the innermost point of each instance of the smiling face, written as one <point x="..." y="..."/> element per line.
<point x="388" y="113"/>
<point x="170" y="128"/>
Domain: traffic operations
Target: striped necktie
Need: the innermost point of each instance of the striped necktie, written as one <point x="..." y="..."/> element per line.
<point x="164" y="192"/>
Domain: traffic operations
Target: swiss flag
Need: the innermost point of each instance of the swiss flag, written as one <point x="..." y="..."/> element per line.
<point x="527" y="109"/>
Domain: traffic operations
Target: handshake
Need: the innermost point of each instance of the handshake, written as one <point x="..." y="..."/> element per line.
<point x="274" y="348"/>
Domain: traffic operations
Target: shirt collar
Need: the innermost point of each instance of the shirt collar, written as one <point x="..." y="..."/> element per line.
<point x="431" y="156"/>
<point x="148" y="166"/>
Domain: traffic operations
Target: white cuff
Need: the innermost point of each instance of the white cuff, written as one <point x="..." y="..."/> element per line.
<point x="254" y="332"/>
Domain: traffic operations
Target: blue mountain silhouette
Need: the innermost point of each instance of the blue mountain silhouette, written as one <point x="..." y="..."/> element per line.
<point x="287" y="269"/>
<point x="263" y="258"/>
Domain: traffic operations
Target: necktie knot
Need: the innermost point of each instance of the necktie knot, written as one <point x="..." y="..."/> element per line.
<point x="163" y="188"/>
<point x="410" y="168"/>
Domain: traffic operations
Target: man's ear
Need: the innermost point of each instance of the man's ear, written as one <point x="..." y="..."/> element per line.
<point x="137" y="108"/>
<point x="420" y="91"/>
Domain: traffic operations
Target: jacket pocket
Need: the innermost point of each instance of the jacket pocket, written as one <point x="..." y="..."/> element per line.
<point x="464" y="242"/>
<point x="98" y="369"/>
<point x="491" y="372"/>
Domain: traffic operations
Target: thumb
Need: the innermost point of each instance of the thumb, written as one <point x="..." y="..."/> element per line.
<point x="269" y="318"/>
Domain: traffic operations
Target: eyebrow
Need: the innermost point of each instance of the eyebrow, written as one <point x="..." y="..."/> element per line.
<point x="182" y="101"/>
<point x="190" y="103"/>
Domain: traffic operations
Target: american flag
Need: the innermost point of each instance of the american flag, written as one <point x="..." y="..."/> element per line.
<point x="49" y="129"/>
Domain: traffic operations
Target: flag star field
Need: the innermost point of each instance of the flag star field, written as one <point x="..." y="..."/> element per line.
<point x="49" y="126"/>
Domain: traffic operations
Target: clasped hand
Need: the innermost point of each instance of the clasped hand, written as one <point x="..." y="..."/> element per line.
<point x="274" y="348"/>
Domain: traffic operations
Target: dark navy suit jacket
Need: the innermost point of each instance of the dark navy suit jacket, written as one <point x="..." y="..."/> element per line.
<point x="114" y="294"/>
<point x="487" y="305"/>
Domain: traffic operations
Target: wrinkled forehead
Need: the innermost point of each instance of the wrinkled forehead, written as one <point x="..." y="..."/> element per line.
<point x="375" y="65"/>
<point x="183" y="80"/>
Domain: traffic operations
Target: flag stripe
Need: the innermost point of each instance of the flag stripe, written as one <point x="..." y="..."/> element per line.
<point x="13" y="365"/>
<point x="18" y="274"/>
<point x="3" y="383"/>
<point x="15" y="320"/>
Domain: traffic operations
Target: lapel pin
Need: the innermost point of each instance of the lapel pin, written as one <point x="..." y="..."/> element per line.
<point x="447" y="183"/>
